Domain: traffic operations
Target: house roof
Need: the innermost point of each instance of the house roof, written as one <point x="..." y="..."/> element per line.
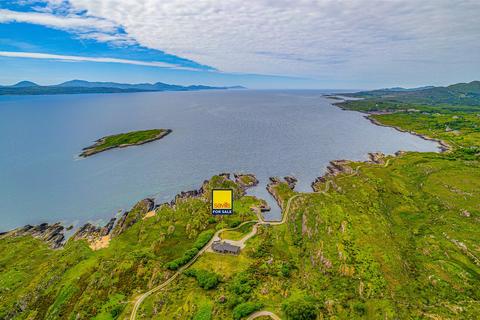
<point x="224" y="246"/>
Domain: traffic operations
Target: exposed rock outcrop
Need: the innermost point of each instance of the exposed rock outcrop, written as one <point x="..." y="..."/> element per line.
<point x="291" y="181"/>
<point x="131" y="217"/>
<point x="275" y="181"/>
<point x="93" y="233"/>
<point x="245" y="180"/>
<point x="376" y="157"/>
<point x="53" y="234"/>
<point x="337" y="167"/>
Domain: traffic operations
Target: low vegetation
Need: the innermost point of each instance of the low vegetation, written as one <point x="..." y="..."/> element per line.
<point x="460" y="94"/>
<point x="206" y="279"/>
<point x="124" y="140"/>
<point x="238" y="233"/>
<point x="202" y="240"/>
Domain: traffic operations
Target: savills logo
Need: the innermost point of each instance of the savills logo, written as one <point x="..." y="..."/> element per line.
<point x="222" y="201"/>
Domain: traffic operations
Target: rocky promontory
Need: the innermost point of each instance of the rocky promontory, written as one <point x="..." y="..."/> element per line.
<point x="53" y="234"/>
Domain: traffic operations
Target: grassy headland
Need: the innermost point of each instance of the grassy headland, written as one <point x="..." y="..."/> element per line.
<point x="123" y="140"/>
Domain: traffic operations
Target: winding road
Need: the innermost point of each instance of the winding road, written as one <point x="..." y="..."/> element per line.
<point x="215" y="237"/>
<point x="140" y="299"/>
<point x="263" y="314"/>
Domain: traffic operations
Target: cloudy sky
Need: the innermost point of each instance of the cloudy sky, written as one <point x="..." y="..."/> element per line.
<point x="256" y="43"/>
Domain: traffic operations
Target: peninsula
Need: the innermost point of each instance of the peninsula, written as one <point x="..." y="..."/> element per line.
<point x="123" y="140"/>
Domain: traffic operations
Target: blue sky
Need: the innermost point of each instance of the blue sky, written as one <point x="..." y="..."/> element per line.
<point x="262" y="44"/>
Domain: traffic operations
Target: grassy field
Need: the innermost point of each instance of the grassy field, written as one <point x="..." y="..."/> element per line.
<point x="125" y="139"/>
<point x="238" y="233"/>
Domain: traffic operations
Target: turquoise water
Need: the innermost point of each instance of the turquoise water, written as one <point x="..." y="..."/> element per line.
<point x="269" y="133"/>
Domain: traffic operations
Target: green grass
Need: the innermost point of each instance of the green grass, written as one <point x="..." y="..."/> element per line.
<point x="123" y="140"/>
<point x="238" y="233"/>
<point x="458" y="129"/>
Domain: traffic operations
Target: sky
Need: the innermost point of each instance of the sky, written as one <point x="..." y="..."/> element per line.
<point x="328" y="44"/>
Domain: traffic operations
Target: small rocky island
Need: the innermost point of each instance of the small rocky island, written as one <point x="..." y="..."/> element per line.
<point x="123" y="140"/>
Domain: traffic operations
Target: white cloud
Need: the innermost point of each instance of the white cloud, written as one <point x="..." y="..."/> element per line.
<point x="36" y="55"/>
<point x="357" y="39"/>
<point x="74" y="22"/>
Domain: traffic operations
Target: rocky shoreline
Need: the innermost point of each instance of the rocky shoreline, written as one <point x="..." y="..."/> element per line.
<point x="91" y="150"/>
<point x="53" y="234"/>
<point x="275" y="181"/>
<point x="336" y="167"/>
<point x="99" y="236"/>
<point x="444" y="146"/>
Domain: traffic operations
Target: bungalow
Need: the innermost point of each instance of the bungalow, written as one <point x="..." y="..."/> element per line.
<point x="224" y="247"/>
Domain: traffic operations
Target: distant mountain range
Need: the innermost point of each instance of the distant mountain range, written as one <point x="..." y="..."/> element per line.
<point x="81" y="86"/>
<point x="467" y="94"/>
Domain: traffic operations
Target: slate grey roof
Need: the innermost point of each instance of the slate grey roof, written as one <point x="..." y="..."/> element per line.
<point x="225" y="247"/>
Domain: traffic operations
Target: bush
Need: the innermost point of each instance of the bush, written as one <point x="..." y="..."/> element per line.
<point x="203" y="238"/>
<point x="286" y="269"/>
<point x="235" y="223"/>
<point x="243" y="284"/>
<point x="246" y="308"/>
<point x="204" y="312"/>
<point x="206" y="279"/>
<point x="300" y="308"/>
<point x="359" y="308"/>
<point x="201" y="241"/>
<point x="212" y="220"/>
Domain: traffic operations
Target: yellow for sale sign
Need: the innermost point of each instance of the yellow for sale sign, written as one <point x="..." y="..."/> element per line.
<point x="222" y="201"/>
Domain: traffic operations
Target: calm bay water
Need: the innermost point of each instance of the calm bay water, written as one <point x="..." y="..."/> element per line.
<point x="268" y="133"/>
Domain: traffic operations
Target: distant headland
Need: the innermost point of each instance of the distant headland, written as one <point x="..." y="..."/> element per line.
<point x="82" y="86"/>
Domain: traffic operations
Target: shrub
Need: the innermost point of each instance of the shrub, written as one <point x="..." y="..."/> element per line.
<point x="300" y="308"/>
<point x="203" y="238"/>
<point x="286" y="269"/>
<point x="206" y="279"/>
<point x="246" y="308"/>
<point x="243" y="284"/>
<point x="359" y="308"/>
<point x="201" y="241"/>
<point x="235" y="223"/>
<point x="204" y="312"/>
<point x="212" y="220"/>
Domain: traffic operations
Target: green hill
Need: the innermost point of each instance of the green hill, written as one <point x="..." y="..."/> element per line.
<point x="467" y="94"/>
